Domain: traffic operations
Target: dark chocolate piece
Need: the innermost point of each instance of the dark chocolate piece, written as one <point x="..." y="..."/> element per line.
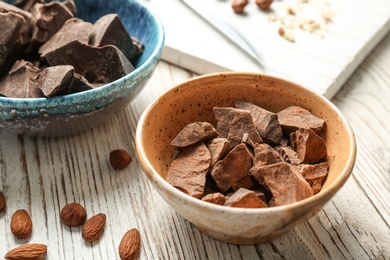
<point x="27" y="4"/>
<point x="96" y="64"/>
<point x="109" y="30"/>
<point x="56" y="80"/>
<point x="20" y="82"/>
<point x="73" y="29"/>
<point x="14" y="35"/>
<point x="47" y="19"/>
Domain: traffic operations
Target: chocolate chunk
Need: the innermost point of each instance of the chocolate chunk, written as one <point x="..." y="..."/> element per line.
<point x="314" y="174"/>
<point x="80" y="84"/>
<point x="295" y="117"/>
<point x="266" y="122"/>
<point x="27" y="4"/>
<point x="244" y="198"/>
<point x="216" y="198"/>
<point x="55" y="80"/>
<point x="233" y="123"/>
<point x="219" y="148"/>
<point x="47" y="19"/>
<point x="309" y="147"/>
<point x="71" y="6"/>
<point x="288" y="154"/>
<point x="194" y="133"/>
<point x="248" y="182"/>
<point x="72" y="30"/>
<point x="139" y="46"/>
<point x="14" y="35"/>
<point x="96" y="64"/>
<point x="20" y="82"/>
<point x="233" y="167"/>
<point x="284" y="181"/>
<point x="265" y="155"/>
<point x="188" y="171"/>
<point x="109" y="30"/>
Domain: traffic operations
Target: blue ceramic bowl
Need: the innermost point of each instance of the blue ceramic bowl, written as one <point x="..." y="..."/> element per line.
<point x="74" y="113"/>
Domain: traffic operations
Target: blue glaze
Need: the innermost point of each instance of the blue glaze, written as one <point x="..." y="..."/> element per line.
<point x="140" y="23"/>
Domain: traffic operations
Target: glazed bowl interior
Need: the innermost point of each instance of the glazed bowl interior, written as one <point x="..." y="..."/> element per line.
<point x="73" y="113"/>
<point x="193" y="101"/>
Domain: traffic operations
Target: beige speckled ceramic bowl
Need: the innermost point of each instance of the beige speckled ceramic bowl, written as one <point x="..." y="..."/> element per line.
<point x="193" y="101"/>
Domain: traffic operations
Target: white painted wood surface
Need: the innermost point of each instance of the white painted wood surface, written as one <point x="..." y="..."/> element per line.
<point x="320" y="61"/>
<point x="42" y="175"/>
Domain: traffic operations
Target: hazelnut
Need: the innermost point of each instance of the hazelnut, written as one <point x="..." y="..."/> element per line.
<point x="264" y="4"/>
<point x="73" y="214"/>
<point x="119" y="159"/>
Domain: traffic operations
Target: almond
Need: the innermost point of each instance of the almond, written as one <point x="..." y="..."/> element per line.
<point x="94" y="227"/>
<point x="21" y="224"/>
<point x="2" y="202"/>
<point x="73" y="214"/>
<point x="130" y="245"/>
<point x="119" y="159"/>
<point x="27" y="252"/>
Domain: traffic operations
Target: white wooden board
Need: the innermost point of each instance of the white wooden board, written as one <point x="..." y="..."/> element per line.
<point x="320" y="61"/>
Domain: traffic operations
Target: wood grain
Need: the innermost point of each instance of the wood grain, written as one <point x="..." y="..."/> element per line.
<point x="41" y="175"/>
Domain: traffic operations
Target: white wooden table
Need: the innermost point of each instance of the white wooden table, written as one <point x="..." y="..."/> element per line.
<point x="42" y="175"/>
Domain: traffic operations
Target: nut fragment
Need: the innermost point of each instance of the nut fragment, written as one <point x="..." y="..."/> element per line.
<point x="94" y="227"/>
<point x="27" y="252"/>
<point x="130" y="245"/>
<point x="3" y="203"/>
<point x="119" y="159"/>
<point x="73" y="214"/>
<point x="21" y="224"/>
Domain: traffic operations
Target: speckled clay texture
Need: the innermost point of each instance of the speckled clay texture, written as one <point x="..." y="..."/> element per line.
<point x="193" y="101"/>
<point x="69" y="114"/>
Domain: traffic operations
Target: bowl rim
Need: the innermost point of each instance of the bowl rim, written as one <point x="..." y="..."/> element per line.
<point x="322" y="196"/>
<point x="79" y="97"/>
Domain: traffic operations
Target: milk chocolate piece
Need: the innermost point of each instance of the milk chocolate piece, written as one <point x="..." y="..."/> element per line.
<point x="96" y="64"/>
<point x="284" y="181"/>
<point x="56" y="80"/>
<point x="233" y="123"/>
<point x="314" y="174"/>
<point x="244" y="198"/>
<point x="73" y="29"/>
<point x="265" y="155"/>
<point x="216" y="198"/>
<point x="288" y="154"/>
<point x="233" y="167"/>
<point x="294" y="117"/>
<point x="14" y="35"/>
<point x="248" y="182"/>
<point x="219" y="148"/>
<point x="194" y="133"/>
<point x="188" y="171"/>
<point x="266" y="122"/>
<point x="310" y="148"/>
<point x="20" y="82"/>
<point x="109" y="30"/>
<point x="47" y="19"/>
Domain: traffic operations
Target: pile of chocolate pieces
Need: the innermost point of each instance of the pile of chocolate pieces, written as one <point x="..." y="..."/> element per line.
<point x="253" y="158"/>
<point x="46" y="51"/>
